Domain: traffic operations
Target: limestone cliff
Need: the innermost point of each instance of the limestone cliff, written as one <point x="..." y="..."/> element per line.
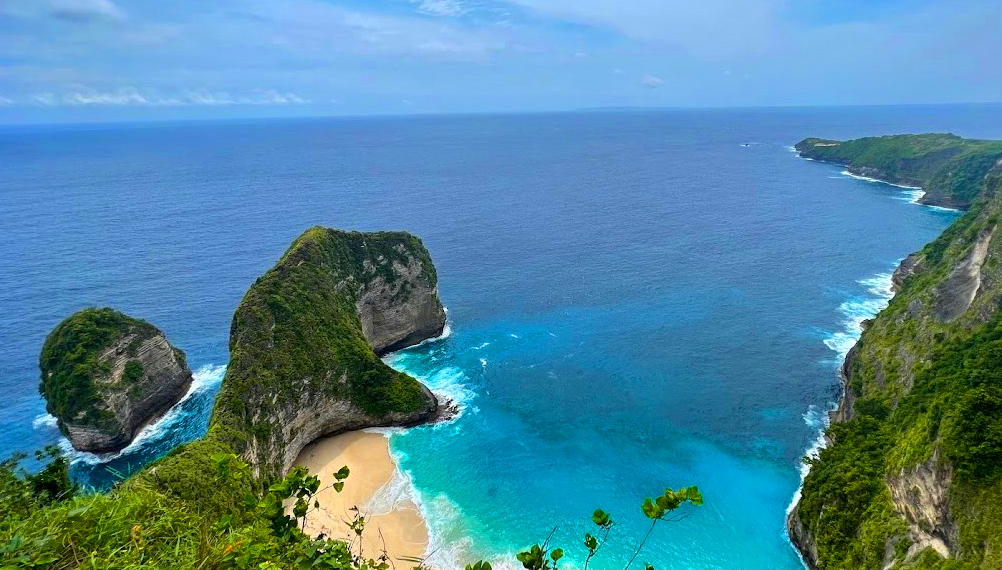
<point x="912" y="475"/>
<point x="948" y="168"/>
<point x="305" y="341"/>
<point x="106" y="375"/>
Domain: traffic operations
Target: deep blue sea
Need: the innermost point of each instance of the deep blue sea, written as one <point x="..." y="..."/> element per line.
<point x="636" y="299"/>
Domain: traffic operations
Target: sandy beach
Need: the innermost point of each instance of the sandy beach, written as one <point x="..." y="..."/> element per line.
<point x="393" y="520"/>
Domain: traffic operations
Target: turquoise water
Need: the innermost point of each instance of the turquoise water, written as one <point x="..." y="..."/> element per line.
<point x="636" y="300"/>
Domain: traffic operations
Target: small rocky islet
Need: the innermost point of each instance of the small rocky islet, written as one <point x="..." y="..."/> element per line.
<point x="105" y="375"/>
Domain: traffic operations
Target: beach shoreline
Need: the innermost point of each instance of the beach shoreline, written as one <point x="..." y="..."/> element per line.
<point x="394" y="523"/>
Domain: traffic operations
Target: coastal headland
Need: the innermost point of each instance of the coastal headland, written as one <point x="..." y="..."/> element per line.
<point x="911" y="475"/>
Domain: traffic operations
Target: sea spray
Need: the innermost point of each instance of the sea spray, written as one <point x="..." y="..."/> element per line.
<point x="855" y="310"/>
<point x="877" y="180"/>
<point x="185" y="421"/>
<point x="448" y="542"/>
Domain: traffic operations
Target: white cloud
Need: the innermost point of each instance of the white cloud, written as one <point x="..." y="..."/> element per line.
<point x="618" y="71"/>
<point x="272" y="97"/>
<point x="442" y="7"/>
<point x="5" y="101"/>
<point x="709" y="29"/>
<point x="130" y="96"/>
<point x="84" y="10"/>
<point x="123" y="96"/>
<point x="651" y="81"/>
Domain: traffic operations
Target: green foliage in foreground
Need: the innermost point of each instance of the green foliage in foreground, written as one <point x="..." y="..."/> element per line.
<point x="156" y="521"/>
<point x="70" y="361"/>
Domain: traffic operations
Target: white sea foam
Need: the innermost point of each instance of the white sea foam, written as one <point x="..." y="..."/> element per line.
<point x="513" y="335"/>
<point x="446" y="333"/>
<point x="854" y="311"/>
<point x="45" y="421"/>
<point x="204" y="379"/>
<point x="482" y="346"/>
<point x="910" y="194"/>
<point x="868" y="179"/>
<point x="448" y="544"/>
<point x="449" y="383"/>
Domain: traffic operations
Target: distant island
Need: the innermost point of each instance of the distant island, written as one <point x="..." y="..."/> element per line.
<point x="912" y="473"/>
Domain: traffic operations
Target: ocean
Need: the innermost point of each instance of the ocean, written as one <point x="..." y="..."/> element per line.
<point x="637" y="299"/>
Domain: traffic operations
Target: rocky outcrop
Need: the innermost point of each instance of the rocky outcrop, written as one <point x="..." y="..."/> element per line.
<point x="106" y="375"/>
<point x="955" y="294"/>
<point x="803" y="539"/>
<point x="921" y="496"/>
<point x="905" y="269"/>
<point x="306" y="339"/>
<point x="397" y="314"/>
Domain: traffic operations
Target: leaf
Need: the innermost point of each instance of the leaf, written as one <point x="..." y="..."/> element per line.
<point x="338" y="486"/>
<point x="695" y="497"/>
<point x="651" y="510"/>
<point x="557" y="554"/>
<point x="301" y="508"/>
<point x="342" y="473"/>
<point x="600" y="517"/>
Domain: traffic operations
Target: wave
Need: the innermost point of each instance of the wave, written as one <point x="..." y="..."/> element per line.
<point x="869" y="179"/>
<point x="856" y="309"/>
<point x="204" y="379"/>
<point x="449" y="383"/>
<point x="910" y="194"/>
<point x="446" y="333"/>
<point x="45" y="421"/>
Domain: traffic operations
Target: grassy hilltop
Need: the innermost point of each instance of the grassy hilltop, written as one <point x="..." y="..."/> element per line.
<point x="912" y="475"/>
<point x="949" y="168"/>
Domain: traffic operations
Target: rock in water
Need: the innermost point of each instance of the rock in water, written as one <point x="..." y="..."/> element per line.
<point x="306" y="339"/>
<point x="105" y="375"/>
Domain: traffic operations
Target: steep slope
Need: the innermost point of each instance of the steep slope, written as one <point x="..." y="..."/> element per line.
<point x="912" y="475"/>
<point x="105" y="375"/>
<point x="948" y="168"/>
<point x="305" y="340"/>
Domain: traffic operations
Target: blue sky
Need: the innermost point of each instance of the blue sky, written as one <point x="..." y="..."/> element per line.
<point x="79" y="60"/>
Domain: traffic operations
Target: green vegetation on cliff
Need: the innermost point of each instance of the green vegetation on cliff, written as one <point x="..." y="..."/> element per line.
<point x="70" y="362"/>
<point x="950" y="169"/>
<point x="911" y="477"/>
<point x="297" y="333"/>
<point x="298" y="351"/>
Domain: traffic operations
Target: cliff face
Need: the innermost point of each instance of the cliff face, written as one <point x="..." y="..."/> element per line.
<point x="106" y="375"/>
<point x="948" y="168"/>
<point x="912" y="475"/>
<point x="305" y="340"/>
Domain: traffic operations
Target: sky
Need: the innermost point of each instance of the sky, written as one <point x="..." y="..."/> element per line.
<point x="84" y="60"/>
